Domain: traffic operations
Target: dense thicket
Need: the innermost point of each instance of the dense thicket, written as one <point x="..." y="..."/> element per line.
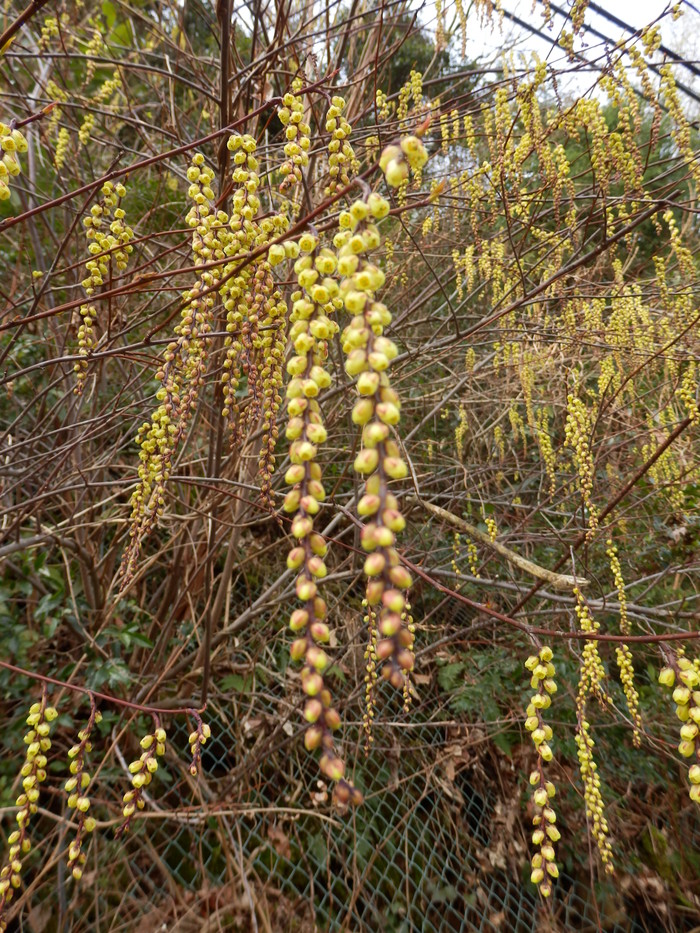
<point x="309" y="322"/>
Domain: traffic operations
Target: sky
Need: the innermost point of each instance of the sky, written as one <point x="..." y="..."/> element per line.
<point x="682" y="37"/>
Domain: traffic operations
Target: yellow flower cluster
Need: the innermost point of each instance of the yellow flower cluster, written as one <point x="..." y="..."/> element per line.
<point x="544" y="442"/>
<point x="312" y="327"/>
<point x="142" y="771"/>
<point x="371" y="664"/>
<point x="341" y="156"/>
<point x="297" y="134"/>
<point x="544" y="868"/>
<point x="86" y="129"/>
<point x="368" y="358"/>
<point x="183" y="366"/>
<point x="577" y="435"/>
<point x="33" y="774"/>
<point x="197" y="738"/>
<point x="93" y="49"/>
<point x="592" y="670"/>
<point x="255" y="310"/>
<point x="49" y="31"/>
<point x="12" y="143"/>
<point x="593" y="798"/>
<point x="396" y="160"/>
<point x="62" y="148"/>
<point x="76" y="786"/>
<point x="108" y="88"/>
<point x="622" y="652"/>
<point x="109" y="242"/>
<point x="591" y="676"/>
<point x="688" y="391"/>
<point x="686" y="696"/>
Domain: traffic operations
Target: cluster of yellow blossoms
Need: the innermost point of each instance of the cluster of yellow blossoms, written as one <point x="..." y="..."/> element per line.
<point x="591" y="677"/>
<point x="33" y="774"/>
<point x="182" y="367"/>
<point x="298" y="135"/>
<point x="77" y="785"/>
<point x="12" y="142"/>
<point x="315" y="300"/>
<point x="197" y="738"/>
<point x="341" y="156"/>
<point x="255" y="310"/>
<point x="686" y="696"/>
<point x="109" y="245"/>
<point x="396" y="160"/>
<point x="544" y="868"/>
<point x="142" y="771"/>
<point x="368" y="358"/>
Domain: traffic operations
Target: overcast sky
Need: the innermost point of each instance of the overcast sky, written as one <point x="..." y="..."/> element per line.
<point x="682" y="37"/>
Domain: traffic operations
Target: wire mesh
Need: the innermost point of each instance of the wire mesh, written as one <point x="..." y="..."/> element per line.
<point x="417" y="856"/>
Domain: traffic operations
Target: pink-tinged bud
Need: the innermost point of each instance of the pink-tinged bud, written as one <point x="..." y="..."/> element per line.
<point x="316" y="567"/>
<point x="385" y="649"/>
<point x="295" y="474"/>
<point x="393" y="519"/>
<point x="332" y="719"/>
<point x="388" y="413"/>
<point x="374" y="433"/>
<point x="295" y="558"/>
<point x="400" y="577"/>
<point x="384" y="537"/>
<point x="312" y="684"/>
<point x="396" y="172"/>
<point x="326" y="698"/>
<point x="332" y="767"/>
<point x="301" y="526"/>
<point x="378" y="361"/>
<point x="318" y="545"/>
<point x="368" y="383"/>
<point x="389" y="624"/>
<point x="367" y="539"/>
<point x="317" y="658"/>
<point x="316" y="489"/>
<point x="395" y="468"/>
<point x="299" y="620"/>
<point x="301" y="451"/>
<point x="320" y="608"/>
<point x="373" y="485"/>
<point x="405" y="659"/>
<point x="375" y="588"/>
<point x="309" y="504"/>
<point x="291" y="501"/>
<point x="396" y="678"/>
<point x="374" y="564"/>
<point x="316" y="433"/>
<point x="320" y="632"/>
<point x="356" y="362"/>
<point x="294" y="429"/>
<point x="312" y="710"/>
<point x="389" y="153"/>
<point x="306" y="589"/>
<point x="405" y="638"/>
<point x="298" y="650"/>
<point x="362" y="411"/>
<point x="309" y="388"/>
<point x="312" y="738"/>
<point x="368" y="505"/>
<point x="297" y="406"/>
<point x="366" y="461"/>
<point x="393" y="600"/>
